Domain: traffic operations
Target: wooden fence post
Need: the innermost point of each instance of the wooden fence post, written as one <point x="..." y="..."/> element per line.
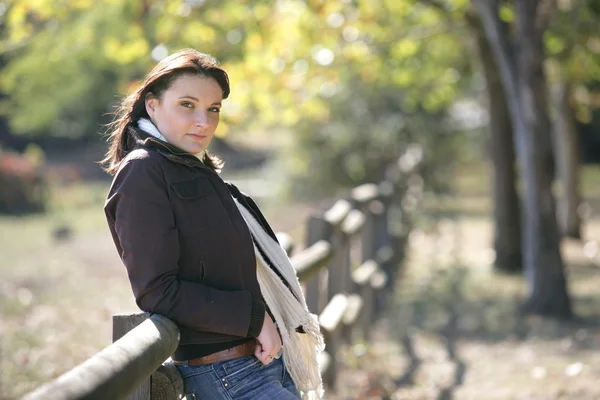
<point x="166" y="382"/>
<point x="350" y="227"/>
<point x="367" y="235"/>
<point x="363" y="276"/>
<point x="331" y="321"/>
<point x="369" y="247"/>
<point x="123" y="323"/>
<point x="384" y="254"/>
<point x="339" y="270"/>
<point x="386" y="191"/>
<point x="316" y="290"/>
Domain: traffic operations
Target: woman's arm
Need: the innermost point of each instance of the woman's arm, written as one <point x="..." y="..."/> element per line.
<point x="143" y="227"/>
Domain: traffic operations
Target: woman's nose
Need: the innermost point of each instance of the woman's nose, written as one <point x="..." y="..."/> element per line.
<point x="202" y="120"/>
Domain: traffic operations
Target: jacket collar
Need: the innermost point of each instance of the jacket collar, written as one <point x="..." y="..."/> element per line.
<point x="173" y="153"/>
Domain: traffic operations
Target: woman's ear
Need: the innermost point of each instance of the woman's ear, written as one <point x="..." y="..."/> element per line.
<point x="150" y="102"/>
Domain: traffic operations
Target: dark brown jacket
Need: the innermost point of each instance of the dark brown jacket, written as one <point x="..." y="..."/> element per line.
<point x="187" y="249"/>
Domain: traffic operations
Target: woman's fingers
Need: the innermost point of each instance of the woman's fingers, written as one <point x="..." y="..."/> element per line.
<point x="268" y="342"/>
<point x="258" y="349"/>
<point x="279" y="353"/>
<point x="263" y="355"/>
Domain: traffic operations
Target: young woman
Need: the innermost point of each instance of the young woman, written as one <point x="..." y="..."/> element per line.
<point x="199" y="251"/>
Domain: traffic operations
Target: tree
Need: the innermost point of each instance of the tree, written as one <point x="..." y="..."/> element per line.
<point x="573" y="67"/>
<point x="520" y="62"/>
<point x="507" y="213"/>
<point x="566" y="144"/>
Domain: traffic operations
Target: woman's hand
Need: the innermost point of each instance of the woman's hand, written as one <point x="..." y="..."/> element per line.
<point x="269" y="342"/>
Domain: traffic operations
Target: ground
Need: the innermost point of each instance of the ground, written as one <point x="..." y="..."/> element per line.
<point x="451" y="330"/>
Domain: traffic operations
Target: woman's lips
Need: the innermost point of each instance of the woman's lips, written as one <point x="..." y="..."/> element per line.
<point x="196" y="136"/>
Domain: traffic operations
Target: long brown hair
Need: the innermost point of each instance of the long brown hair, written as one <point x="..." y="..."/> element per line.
<point x="162" y="76"/>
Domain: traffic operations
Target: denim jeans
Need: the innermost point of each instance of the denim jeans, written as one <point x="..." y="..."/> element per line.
<point x="244" y="378"/>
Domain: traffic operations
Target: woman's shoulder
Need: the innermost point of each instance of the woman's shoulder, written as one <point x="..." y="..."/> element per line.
<point x="142" y="155"/>
<point x="140" y="159"/>
<point x="139" y="167"/>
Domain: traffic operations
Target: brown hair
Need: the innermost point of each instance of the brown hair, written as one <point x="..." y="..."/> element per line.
<point x="162" y="76"/>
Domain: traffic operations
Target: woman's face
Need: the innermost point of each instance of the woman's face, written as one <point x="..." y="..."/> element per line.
<point x="187" y="113"/>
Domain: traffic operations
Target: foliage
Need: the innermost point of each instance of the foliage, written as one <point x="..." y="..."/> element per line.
<point x="308" y="66"/>
<point x="23" y="182"/>
<point x="367" y="129"/>
<point x="285" y="59"/>
<point x="573" y="47"/>
<point x="313" y="67"/>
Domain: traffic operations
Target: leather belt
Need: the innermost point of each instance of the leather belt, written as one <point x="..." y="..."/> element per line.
<point x="241" y="350"/>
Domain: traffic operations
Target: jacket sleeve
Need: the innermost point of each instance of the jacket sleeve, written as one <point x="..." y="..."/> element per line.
<point x="143" y="228"/>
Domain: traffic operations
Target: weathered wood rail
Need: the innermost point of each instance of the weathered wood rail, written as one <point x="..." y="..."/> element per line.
<point x="347" y="269"/>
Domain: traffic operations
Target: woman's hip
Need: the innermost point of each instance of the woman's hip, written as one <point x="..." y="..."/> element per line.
<point x="244" y="378"/>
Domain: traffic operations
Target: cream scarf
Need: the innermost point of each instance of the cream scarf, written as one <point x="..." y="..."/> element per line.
<point x="286" y="302"/>
<point x="300" y="350"/>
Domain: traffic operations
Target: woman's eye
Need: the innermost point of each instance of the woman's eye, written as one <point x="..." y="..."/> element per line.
<point x="214" y="109"/>
<point x="187" y="104"/>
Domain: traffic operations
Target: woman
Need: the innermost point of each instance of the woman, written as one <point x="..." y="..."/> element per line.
<point x="199" y="251"/>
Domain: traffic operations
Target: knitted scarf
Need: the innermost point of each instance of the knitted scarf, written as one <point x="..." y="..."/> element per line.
<point x="279" y="285"/>
<point x="288" y="306"/>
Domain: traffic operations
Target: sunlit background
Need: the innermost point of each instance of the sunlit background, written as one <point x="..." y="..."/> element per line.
<point x="325" y="94"/>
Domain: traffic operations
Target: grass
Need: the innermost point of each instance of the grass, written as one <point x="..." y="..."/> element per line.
<point x="56" y="295"/>
<point x="57" y="298"/>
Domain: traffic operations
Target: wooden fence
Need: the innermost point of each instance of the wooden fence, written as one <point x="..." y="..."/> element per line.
<point x="348" y="268"/>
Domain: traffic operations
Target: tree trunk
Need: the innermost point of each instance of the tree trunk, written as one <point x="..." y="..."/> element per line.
<point x="507" y="214"/>
<point x="523" y="79"/>
<point x="566" y="144"/>
<point x="548" y="286"/>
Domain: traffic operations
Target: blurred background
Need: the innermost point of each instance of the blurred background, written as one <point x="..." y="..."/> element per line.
<point x="498" y="298"/>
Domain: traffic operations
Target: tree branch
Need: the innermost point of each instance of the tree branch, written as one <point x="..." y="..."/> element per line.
<point x="497" y="36"/>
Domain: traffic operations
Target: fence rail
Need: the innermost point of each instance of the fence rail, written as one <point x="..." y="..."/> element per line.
<point x="347" y="268"/>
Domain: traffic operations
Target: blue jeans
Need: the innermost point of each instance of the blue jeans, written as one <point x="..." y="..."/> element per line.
<point x="244" y="378"/>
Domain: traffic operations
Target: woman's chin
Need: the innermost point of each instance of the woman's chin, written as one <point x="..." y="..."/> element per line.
<point x="198" y="151"/>
<point x="193" y="149"/>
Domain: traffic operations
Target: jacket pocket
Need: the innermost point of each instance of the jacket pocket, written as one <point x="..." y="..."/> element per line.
<point x="197" y="207"/>
<point x="202" y="270"/>
<point x="193" y="189"/>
